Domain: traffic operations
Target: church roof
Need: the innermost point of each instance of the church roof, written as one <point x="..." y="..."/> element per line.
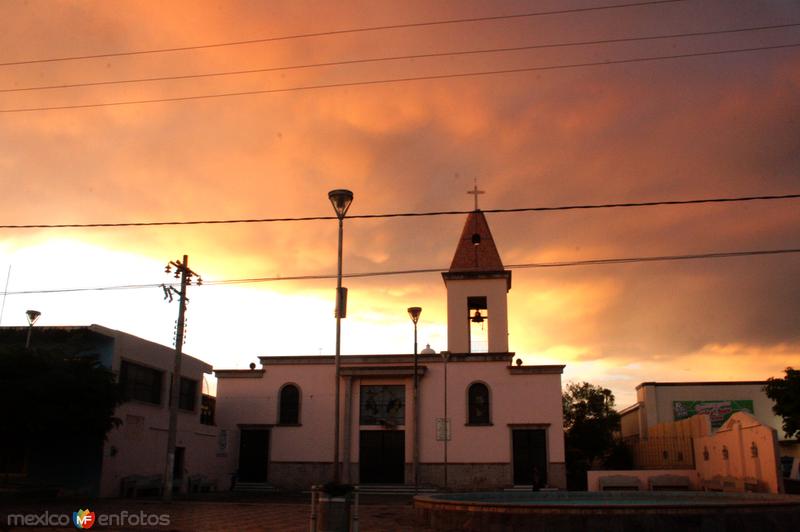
<point x="476" y="251"/>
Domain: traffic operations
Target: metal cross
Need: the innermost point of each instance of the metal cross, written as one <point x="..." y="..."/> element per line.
<point x="475" y="192"/>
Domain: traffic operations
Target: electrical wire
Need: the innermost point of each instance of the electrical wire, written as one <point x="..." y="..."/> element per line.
<point x="400" y="57"/>
<point x="589" y="206"/>
<point x="343" y="32"/>
<point x="401" y="80"/>
<point x="560" y="264"/>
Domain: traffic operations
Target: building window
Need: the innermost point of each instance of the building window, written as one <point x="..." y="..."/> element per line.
<point x="383" y="405"/>
<point x="140" y="383"/>
<point x="188" y="394"/>
<point x="478" y="399"/>
<point x="208" y="406"/>
<point x="289" y="405"/>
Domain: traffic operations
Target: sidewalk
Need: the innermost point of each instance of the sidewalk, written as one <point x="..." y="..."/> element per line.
<point x="268" y="513"/>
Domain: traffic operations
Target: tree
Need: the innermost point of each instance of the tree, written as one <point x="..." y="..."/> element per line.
<point x="590" y="422"/>
<point x="786" y="394"/>
<point x="56" y="406"/>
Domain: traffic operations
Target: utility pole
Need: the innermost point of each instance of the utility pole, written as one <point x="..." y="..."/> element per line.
<point x="183" y="272"/>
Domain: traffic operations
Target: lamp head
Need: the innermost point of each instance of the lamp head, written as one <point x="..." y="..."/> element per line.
<point x="414" y="313"/>
<point x="33" y="315"/>
<point x="341" y="200"/>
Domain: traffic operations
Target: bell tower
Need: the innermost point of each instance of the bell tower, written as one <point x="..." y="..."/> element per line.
<point x="477" y="287"/>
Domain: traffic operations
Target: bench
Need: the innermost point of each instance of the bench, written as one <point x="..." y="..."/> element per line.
<point x="138" y="485"/>
<point x="619" y="483"/>
<point x="201" y="484"/>
<point x="669" y="483"/>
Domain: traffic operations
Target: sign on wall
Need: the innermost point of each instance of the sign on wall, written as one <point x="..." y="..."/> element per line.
<point x="718" y="411"/>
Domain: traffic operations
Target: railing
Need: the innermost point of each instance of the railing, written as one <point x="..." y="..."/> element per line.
<point x="662" y="453"/>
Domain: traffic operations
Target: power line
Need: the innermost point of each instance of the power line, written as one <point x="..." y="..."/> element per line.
<point x="560" y="264"/>
<point x="401" y="80"/>
<point x="342" y="32"/>
<point x="401" y="57"/>
<point x="588" y="206"/>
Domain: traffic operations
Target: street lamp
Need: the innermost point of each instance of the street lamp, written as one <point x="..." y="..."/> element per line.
<point x="341" y="200"/>
<point x="33" y="315"/>
<point x="414" y="313"/>
<point x="445" y="356"/>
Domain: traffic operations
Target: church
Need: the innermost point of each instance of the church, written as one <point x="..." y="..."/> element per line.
<point x="478" y="418"/>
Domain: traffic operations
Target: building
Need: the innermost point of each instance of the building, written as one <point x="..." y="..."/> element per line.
<point x="663" y="410"/>
<point x="136" y="450"/>
<point x="662" y="402"/>
<point x="485" y="420"/>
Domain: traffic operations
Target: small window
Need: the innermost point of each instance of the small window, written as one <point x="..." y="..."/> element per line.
<point x="208" y="406"/>
<point x="289" y="409"/>
<point x="140" y="383"/>
<point x="478" y="397"/>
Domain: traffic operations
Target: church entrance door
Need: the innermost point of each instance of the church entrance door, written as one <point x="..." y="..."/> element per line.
<point x="253" y="455"/>
<point x="530" y="455"/>
<point x="382" y="457"/>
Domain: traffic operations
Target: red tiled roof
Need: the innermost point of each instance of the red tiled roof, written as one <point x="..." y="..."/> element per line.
<point x="480" y="257"/>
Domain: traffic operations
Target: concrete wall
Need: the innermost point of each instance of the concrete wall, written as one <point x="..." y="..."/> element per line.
<point x="658" y="400"/>
<point x="743" y="449"/>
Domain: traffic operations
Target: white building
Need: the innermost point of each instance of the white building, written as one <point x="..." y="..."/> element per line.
<point x="133" y="457"/>
<point x="505" y="419"/>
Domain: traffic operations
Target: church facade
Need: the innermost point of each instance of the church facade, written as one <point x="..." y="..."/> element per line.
<point x="483" y="419"/>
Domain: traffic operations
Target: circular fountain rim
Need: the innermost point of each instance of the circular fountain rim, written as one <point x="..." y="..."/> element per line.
<point x="618" y="500"/>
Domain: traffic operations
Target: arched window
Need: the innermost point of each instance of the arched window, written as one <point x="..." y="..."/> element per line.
<point x="478" y="398"/>
<point x="289" y="405"/>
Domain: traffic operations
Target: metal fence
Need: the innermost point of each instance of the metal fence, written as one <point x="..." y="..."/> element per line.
<point x="662" y="453"/>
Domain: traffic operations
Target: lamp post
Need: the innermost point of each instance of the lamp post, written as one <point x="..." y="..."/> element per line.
<point x="414" y="313"/>
<point x="445" y="356"/>
<point x="33" y="315"/>
<point x="341" y="200"/>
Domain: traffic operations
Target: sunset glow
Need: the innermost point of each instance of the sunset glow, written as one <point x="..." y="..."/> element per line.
<point x="695" y="127"/>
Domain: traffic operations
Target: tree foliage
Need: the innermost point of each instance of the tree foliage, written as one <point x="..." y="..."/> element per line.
<point x="55" y="400"/>
<point x="590" y="422"/>
<point x="786" y="394"/>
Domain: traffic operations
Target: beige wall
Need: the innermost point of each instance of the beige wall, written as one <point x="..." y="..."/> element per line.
<point x="738" y="436"/>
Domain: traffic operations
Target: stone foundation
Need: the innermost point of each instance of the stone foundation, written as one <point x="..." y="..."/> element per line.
<point x="297" y="476"/>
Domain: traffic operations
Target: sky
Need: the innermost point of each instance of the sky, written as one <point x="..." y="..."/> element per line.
<point x="707" y="126"/>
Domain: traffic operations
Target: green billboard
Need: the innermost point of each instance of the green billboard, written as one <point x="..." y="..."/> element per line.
<point x="718" y="411"/>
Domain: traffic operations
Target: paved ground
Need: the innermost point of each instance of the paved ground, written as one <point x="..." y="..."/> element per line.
<point x="224" y="512"/>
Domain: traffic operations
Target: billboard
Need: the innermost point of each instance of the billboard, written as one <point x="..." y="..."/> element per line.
<point x="718" y="411"/>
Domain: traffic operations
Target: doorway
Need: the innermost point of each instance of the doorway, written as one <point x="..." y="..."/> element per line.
<point x="529" y="451"/>
<point x="253" y="455"/>
<point x="382" y="457"/>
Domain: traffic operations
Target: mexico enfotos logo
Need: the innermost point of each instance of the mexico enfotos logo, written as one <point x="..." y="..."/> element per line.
<point x="85" y="519"/>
